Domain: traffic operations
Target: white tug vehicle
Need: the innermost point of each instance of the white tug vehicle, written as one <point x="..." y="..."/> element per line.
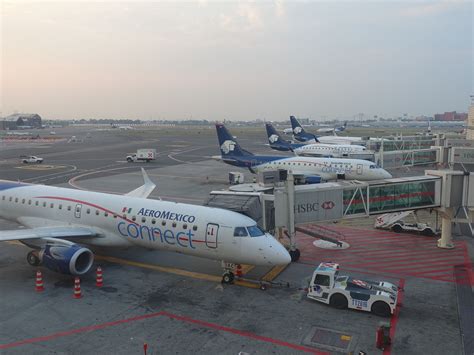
<point x="342" y="292"/>
<point x="394" y="221"/>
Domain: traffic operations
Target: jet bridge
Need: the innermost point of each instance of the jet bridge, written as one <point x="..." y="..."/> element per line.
<point x="287" y="205"/>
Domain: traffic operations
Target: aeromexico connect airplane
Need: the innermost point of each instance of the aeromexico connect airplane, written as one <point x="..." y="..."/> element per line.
<point x="61" y="221"/>
<point x="310" y="168"/>
<point x="277" y="142"/>
<point x="302" y="136"/>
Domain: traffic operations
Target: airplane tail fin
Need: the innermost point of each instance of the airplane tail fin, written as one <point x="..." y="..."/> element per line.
<point x="228" y="144"/>
<point x="275" y="139"/>
<point x="299" y="133"/>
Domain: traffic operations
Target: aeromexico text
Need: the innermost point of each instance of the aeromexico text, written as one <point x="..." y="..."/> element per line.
<point x="172" y="216"/>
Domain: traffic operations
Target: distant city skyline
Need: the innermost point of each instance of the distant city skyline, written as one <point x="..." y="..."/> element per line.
<point x="235" y="60"/>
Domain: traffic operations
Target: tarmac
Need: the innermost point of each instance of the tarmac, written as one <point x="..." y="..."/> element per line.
<point x="176" y="303"/>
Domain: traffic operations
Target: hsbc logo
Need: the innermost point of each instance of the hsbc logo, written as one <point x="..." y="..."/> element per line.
<point x="328" y="205"/>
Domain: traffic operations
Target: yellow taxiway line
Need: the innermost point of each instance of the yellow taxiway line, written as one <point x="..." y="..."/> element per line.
<point x="274" y="272"/>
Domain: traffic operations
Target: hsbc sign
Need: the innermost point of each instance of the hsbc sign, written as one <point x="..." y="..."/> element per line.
<point x="314" y="206"/>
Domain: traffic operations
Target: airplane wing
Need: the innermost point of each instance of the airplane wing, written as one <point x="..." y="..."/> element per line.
<point x="47" y="232"/>
<point x="145" y="190"/>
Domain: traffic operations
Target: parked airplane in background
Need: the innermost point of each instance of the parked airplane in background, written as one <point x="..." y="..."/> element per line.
<point x="308" y="168"/>
<point x="301" y="135"/>
<point x="61" y="221"/>
<point x="331" y="130"/>
<point x="317" y="149"/>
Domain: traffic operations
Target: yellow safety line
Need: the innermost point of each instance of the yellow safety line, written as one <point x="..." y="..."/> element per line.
<point x="247" y="268"/>
<point x="247" y="284"/>
<point x="160" y="268"/>
<point x="274" y="272"/>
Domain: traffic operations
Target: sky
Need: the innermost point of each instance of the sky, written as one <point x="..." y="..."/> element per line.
<point x="235" y="60"/>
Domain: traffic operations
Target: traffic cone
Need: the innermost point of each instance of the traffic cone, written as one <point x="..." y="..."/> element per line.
<point x="39" y="281"/>
<point x="99" y="281"/>
<point x="238" y="271"/>
<point x="77" y="288"/>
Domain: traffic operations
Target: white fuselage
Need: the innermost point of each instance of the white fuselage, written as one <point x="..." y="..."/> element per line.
<point x="334" y="150"/>
<point x="125" y="221"/>
<point x="328" y="168"/>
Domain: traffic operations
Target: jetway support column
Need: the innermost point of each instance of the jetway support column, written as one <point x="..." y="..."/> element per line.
<point x="290" y="188"/>
<point x="446" y="240"/>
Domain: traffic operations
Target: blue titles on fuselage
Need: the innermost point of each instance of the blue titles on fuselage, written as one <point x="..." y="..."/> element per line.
<point x="153" y="234"/>
<point x="337" y="169"/>
<point x="167" y="215"/>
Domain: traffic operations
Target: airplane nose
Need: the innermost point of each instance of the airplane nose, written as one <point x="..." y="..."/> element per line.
<point x="279" y="255"/>
<point x="387" y="175"/>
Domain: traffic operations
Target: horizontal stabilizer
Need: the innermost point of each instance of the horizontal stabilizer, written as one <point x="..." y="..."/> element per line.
<point x="47" y="232"/>
<point x="145" y="190"/>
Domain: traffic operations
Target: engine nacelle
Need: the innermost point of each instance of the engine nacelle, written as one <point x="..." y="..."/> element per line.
<point x="67" y="259"/>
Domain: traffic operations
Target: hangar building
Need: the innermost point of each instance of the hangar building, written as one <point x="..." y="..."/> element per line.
<point x="21" y="120"/>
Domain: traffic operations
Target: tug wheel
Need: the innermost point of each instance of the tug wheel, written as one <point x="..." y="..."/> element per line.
<point x="338" y="301"/>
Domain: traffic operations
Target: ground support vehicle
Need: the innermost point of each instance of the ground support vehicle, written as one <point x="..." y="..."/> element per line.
<point x="146" y="155"/>
<point x="31" y="159"/>
<point x="327" y="286"/>
<point x="394" y="222"/>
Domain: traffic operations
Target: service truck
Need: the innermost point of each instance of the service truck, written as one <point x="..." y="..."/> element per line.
<point x="394" y="221"/>
<point x="31" y="159"/>
<point x="342" y="292"/>
<point x="146" y="155"/>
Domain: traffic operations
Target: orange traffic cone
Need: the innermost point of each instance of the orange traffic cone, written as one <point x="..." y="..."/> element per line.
<point x="99" y="281"/>
<point x="77" y="288"/>
<point x="238" y="271"/>
<point x="39" y="281"/>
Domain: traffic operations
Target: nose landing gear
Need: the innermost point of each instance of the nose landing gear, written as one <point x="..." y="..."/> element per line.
<point x="33" y="258"/>
<point x="228" y="276"/>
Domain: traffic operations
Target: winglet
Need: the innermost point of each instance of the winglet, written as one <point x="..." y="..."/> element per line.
<point x="145" y="190"/>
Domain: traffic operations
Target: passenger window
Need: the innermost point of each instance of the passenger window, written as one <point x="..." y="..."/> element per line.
<point x="97" y="212"/>
<point x="44" y="204"/>
<point x="16" y="199"/>
<point x="88" y="211"/>
<point x="185" y="226"/>
<point x="23" y="201"/>
<point x="174" y="224"/>
<point x="106" y="214"/>
<point x="134" y="218"/>
<point x="195" y="228"/>
<point x="322" y="280"/>
<point x="163" y="223"/>
<point x="3" y="198"/>
<point x="68" y="208"/>
<point x="51" y="205"/>
<point x="10" y="199"/>
<point x="153" y="221"/>
<point x="29" y="202"/>
<point x="36" y="203"/>
<point x="240" y="232"/>
<point x="60" y="207"/>
<point x="143" y="219"/>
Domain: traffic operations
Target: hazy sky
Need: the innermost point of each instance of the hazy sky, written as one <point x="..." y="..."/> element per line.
<point x="235" y="60"/>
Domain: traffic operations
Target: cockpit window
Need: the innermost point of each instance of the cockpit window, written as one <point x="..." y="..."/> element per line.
<point x="373" y="166"/>
<point x="255" y="231"/>
<point x="240" y="232"/>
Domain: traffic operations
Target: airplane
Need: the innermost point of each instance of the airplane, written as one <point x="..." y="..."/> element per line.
<point x="301" y="135"/>
<point x="333" y="129"/>
<point x="308" y="168"/>
<point x="317" y="149"/>
<point x="60" y="222"/>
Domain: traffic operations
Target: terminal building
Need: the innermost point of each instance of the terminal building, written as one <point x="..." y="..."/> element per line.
<point x="21" y="121"/>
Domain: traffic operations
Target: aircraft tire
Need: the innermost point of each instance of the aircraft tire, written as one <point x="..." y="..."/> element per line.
<point x="32" y="259"/>
<point x="228" y="278"/>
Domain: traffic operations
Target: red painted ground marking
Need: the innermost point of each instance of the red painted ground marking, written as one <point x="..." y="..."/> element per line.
<point x="169" y="315"/>
<point x="78" y="330"/>
<point x="397" y="254"/>
<point x="394" y="319"/>
<point x="468" y="264"/>
<point x="243" y="333"/>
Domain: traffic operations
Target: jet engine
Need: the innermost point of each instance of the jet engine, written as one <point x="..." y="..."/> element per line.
<point x="67" y="259"/>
